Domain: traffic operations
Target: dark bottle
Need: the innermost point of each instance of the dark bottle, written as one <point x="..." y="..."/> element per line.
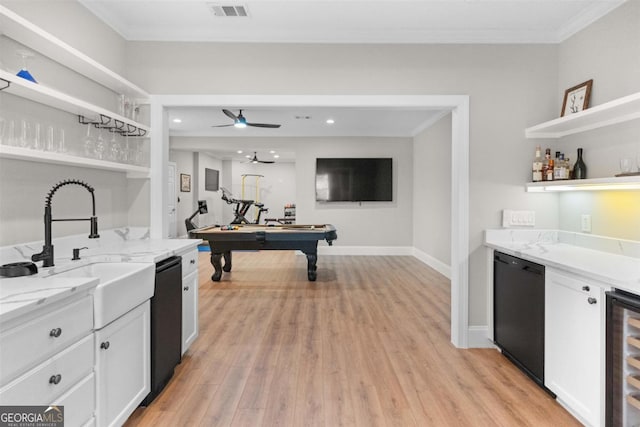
<point x="579" y="169"/>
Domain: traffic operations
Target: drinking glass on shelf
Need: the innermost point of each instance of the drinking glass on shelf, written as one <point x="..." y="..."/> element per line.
<point x="100" y="146"/>
<point x="24" y="72"/>
<point x="62" y="144"/>
<point x="625" y="165"/>
<point x="12" y="139"/>
<point x="3" y="130"/>
<point x="37" y="143"/>
<point x="89" y="144"/>
<point x="114" y="149"/>
<point x="50" y="143"/>
<point x="25" y="132"/>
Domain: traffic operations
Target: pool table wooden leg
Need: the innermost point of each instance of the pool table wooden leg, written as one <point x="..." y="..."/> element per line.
<point x="227" y="261"/>
<point x="217" y="265"/>
<point x="312" y="260"/>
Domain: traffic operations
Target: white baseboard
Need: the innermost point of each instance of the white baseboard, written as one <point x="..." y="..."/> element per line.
<point x="434" y="263"/>
<point x="366" y="250"/>
<point x="478" y="337"/>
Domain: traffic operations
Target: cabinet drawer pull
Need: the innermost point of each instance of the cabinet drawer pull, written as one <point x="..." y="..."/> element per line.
<point x="592" y="300"/>
<point x="55" y="332"/>
<point x="55" y="379"/>
<point x="586" y="288"/>
<point x="104" y="345"/>
<point x="186" y="288"/>
<point x="193" y="261"/>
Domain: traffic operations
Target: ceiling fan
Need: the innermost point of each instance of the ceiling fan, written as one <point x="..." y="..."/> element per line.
<point x="240" y="121"/>
<point x="254" y="159"/>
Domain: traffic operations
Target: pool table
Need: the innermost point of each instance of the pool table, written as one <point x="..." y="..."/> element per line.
<point x="264" y="237"/>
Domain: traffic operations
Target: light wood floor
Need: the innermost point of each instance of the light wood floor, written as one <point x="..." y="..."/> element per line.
<point x="367" y="344"/>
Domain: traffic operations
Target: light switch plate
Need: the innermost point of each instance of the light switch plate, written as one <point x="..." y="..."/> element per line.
<point x="511" y="218"/>
<point x="586" y="223"/>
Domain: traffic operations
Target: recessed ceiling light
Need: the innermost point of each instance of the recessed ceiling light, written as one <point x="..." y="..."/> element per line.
<point x="177" y="120"/>
<point x="239" y="151"/>
<point x="272" y="152"/>
<point x="276" y="156"/>
<point x="248" y="156"/>
<point x="330" y="121"/>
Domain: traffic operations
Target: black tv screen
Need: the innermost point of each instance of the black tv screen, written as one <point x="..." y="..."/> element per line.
<point x="211" y="177"/>
<point x="354" y="180"/>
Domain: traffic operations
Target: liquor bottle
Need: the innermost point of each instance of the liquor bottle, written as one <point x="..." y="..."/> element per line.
<point x="579" y="169"/>
<point x="537" y="165"/>
<point x="546" y="165"/>
<point x="559" y="171"/>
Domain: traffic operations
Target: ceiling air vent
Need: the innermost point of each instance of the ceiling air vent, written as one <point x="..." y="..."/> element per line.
<point x="223" y="11"/>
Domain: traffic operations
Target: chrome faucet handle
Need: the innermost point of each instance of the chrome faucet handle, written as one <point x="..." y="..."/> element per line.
<point x="76" y="253"/>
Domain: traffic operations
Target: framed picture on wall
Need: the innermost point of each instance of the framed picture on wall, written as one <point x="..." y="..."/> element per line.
<point x="185" y="183"/>
<point x="576" y="98"/>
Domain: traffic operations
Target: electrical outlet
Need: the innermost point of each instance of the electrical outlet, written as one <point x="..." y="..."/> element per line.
<point x="518" y="218"/>
<point x="586" y="223"/>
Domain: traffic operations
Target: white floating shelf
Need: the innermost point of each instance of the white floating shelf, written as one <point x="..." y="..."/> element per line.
<point x="617" y="111"/>
<point x="20" y="153"/>
<point x="19" y="29"/>
<point x="593" y="184"/>
<point x="53" y="98"/>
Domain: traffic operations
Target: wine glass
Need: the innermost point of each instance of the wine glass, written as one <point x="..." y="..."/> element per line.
<point x="50" y="143"/>
<point x="24" y="72"/>
<point x="100" y="146"/>
<point x="37" y="143"/>
<point x="89" y="143"/>
<point x="3" y="129"/>
<point x="114" y="149"/>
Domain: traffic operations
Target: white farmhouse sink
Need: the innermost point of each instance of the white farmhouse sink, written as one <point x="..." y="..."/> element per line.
<point x="122" y="286"/>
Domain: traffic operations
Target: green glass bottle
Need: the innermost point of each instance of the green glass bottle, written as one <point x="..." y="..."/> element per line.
<point x="579" y="169"/>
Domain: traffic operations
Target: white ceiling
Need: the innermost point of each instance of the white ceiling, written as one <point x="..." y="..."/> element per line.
<point x="336" y="21"/>
<point x="353" y="21"/>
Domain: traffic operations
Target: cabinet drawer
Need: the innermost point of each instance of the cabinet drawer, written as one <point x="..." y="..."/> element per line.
<point x="189" y="262"/>
<point x="23" y="347"/>
<point x="49" y="380"/>
<point x="79" y="402"/>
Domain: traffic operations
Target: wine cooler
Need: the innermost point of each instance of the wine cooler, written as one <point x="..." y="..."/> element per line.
<point x="623" y="360"/>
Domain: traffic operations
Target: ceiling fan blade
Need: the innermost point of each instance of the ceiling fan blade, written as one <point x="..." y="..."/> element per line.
<point x="221" y="126"/>
<point x="230" y="114"/>
<point x="263" y="125"/>
<point x="265" y="161"/>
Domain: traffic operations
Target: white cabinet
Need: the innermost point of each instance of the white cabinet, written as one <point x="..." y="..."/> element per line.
<point x="122" y="366"/>
<point x="189" y="298"/>
<point x="47" y="358"/>
<point x="574" y="344"/>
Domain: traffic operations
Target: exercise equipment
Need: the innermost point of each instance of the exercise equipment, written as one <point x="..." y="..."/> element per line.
<point x="242" y="207"/>
<point x="202" y="209"/>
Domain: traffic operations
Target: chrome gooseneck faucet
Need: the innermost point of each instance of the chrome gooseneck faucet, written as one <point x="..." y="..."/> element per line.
<point x="46" y="256"/>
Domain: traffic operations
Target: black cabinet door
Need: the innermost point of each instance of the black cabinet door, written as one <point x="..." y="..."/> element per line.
<point x="518" y="294"/>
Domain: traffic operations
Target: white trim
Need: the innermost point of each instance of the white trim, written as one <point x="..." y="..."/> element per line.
<point x="478" y="337"/>
<point x="432" y="262"/>
<point x="366" y="250"/>
<point x="457" y="104"/>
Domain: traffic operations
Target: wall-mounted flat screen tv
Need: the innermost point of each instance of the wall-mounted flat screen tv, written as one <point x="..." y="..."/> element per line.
<point x="354" y="180"/>
<point x="211" y="179"/>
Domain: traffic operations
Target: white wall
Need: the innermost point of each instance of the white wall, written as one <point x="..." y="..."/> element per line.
<point x="366" y="223"/>
<point x="24" y="185"/>
<point x="432" y="191"/>
<point x="609" y="53"/>
<point x="511" y="87"/>
<point x="184" y="164"/>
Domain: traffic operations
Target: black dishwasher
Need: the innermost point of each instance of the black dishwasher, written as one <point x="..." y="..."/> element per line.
<point x="166" y="324"/>
<point x="518" y="313"/>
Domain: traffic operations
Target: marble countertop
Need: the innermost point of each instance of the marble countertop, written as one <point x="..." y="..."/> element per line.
<point x="20" y="295"/>
<point x="613" y="262"/>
